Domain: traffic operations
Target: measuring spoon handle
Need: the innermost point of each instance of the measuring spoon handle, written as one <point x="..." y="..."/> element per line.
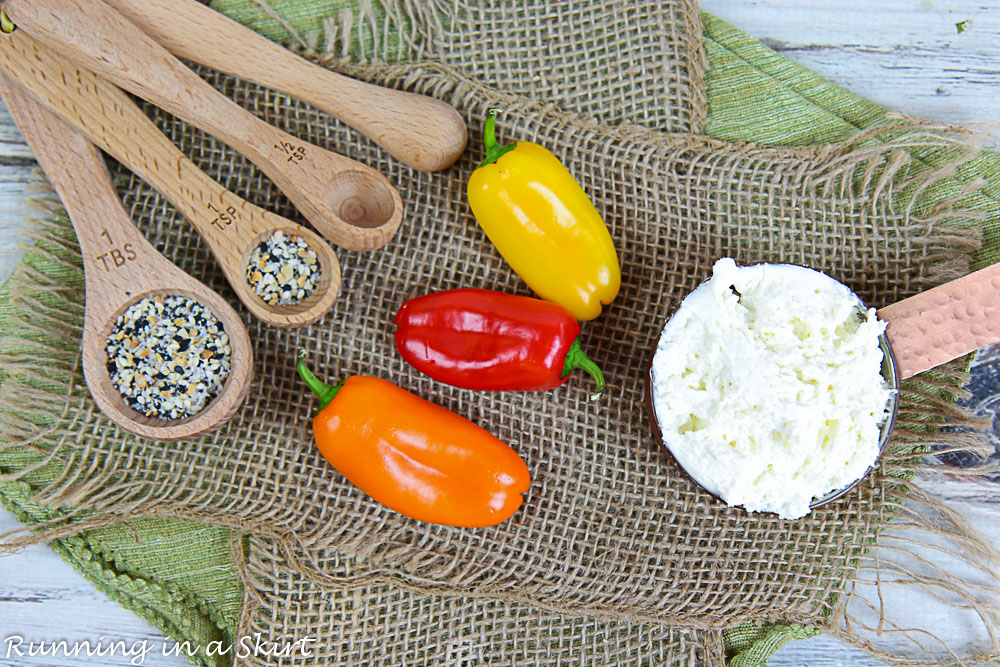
<point x="117" y="260"/>
<point x="420" y="131"/>
<point x="229" y="224"/>
<point x="350" y="203"/>
<point x="943" y="323"/>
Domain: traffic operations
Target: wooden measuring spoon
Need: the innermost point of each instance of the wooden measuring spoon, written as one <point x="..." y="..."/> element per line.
<point x="350" y="203"/>
<point x="121" y="268"/>
<point x="231" y="226"/>
<point x="420" y="131"/>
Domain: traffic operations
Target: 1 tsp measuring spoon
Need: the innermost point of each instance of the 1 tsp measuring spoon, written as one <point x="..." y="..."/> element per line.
<point x="121" y="268"/>
<point x="350" y="203"/>
<point x="231" y="226"/>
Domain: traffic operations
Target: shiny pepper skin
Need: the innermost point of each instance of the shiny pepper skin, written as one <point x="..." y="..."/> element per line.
<point x="544" y="225"/>
<point x="413" y="456"/>
<point x="491" y="341"/>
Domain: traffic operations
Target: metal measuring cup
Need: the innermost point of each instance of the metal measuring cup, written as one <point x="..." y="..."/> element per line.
<point x="923" y="331"/>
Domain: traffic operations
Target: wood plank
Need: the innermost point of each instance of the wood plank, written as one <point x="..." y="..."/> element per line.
<point x="906" y="56"/>
<point x="17" y="164"/>
<point x="43" y="599"/>
<point x="13" y="150"/>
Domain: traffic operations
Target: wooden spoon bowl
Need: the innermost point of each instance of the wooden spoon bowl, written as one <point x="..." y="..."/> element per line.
<point x="100" y="322"/>
<point x="361" y="199"/>
<point x="121" y="268"/>
<point x="321" y="298"/>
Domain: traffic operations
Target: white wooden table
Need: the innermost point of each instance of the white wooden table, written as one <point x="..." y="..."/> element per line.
<point x="905" y="55"/>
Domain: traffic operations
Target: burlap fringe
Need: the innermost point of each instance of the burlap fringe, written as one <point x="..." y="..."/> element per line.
<point x="920" y="547"/>
<point x="872" y="167"/>
<point x="418" y="28"/>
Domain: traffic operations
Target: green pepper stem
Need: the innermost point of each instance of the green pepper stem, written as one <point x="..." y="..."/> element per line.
<point x="493" y="149"/>
<point x="575" y="358"/>
<point x="323" y="391"/>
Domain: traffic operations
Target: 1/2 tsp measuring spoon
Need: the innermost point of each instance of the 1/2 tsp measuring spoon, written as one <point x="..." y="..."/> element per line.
<point x="231" y="226"/>
<point x="121" y="268"/>
<point x="350" y="203"/>
<point x="420" y="131"/>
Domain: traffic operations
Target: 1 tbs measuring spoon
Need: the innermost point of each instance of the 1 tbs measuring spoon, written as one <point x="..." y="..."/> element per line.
<point x="231" y="226"/>
<point x="420" y="131"/>
<point x="121" y="268"/>
<point x="350" y="203"/>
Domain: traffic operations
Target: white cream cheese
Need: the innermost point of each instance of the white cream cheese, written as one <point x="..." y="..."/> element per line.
<point x="766" y="385"/>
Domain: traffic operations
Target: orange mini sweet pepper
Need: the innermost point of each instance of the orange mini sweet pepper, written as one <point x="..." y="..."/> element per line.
<point x="413" y="456"/>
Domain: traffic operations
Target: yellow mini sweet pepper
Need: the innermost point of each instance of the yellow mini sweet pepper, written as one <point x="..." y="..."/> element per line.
<point x="544" y="225"/>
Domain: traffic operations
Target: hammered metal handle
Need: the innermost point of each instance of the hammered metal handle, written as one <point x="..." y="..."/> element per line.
<point x="946" y="322"/>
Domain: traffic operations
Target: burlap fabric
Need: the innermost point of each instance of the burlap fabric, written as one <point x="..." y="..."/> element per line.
<point x="615" y="557"/>
<point x="363" y="620"/>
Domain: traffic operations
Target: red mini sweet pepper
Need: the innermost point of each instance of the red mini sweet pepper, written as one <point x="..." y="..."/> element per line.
<point x="480" y="339"/>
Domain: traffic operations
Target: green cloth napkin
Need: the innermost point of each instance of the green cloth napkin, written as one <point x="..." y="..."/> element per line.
<point x="755" y="94"/>
<point x="181" y="576"/>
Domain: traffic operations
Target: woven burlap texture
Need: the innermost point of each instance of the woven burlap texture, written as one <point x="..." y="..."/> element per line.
<point x="611" y="539"/>
<point x="365" y="620"/>
<point x="638" y="63"/>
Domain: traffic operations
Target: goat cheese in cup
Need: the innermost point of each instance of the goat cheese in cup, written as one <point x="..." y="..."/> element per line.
<point x="767" y="386"/>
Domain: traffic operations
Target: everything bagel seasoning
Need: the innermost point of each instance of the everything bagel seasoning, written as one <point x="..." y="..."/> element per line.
<point x="283" y="270"/>
<point x="168" y="356"/>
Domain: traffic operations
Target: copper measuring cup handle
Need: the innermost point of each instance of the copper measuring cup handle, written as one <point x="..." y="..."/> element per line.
<point x="943" y="323"/>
